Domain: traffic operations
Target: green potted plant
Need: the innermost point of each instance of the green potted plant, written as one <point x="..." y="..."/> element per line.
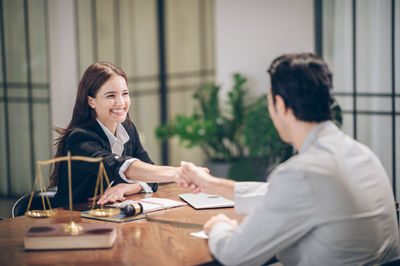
<point x="241" y="137"/>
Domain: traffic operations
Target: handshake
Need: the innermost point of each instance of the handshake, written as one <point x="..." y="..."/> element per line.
<point x="188" y="175"/>
<point x="193" y="177"/>
<point x="198" y="179"/>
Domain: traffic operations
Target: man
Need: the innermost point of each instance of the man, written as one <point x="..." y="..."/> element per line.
<point x="331" y="204"/>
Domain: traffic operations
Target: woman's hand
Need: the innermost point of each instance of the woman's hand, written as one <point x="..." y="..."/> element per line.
<point x="117" y="192"/>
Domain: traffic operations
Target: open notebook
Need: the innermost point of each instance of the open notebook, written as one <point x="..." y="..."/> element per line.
<point x="149" y="205"/>
<point x="152" y="204"/>
<point x="206" y="201"/>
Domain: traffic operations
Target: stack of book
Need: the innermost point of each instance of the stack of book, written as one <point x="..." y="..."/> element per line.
<point x="50" y="236"/>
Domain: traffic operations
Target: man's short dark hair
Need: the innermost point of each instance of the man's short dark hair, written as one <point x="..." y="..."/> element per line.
<point x="304" y="82"/>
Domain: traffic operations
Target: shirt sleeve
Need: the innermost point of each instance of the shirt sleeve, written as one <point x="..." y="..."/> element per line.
<point x="145" y="187"/>
<point x="247" y="194"/>
<point x="280" y="217"/>
<point x="137" y="151"/>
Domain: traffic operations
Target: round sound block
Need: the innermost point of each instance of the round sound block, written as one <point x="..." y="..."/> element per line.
<point x="105" y="212"/>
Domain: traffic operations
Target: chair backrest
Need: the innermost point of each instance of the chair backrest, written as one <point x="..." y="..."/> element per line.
<point x="20" y="206"/>
<point x="393" y="262"/>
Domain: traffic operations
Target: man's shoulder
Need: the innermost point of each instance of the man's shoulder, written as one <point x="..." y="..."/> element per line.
<point x="330" y="150"/>
<point x="305" y="165"/>
<point x="332" y="158"/>
<point x="293" y="168"/>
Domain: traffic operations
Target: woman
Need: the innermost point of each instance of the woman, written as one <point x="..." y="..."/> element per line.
<point x="101" y="127"/>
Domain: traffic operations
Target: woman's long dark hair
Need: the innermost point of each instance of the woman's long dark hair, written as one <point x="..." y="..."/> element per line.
<point x="94" y="77"/>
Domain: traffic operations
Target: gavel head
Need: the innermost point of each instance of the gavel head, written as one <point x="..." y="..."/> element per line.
<point x="133" y="209"/>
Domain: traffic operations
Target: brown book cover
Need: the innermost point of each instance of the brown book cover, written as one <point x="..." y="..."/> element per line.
<point x="50" y="236"/>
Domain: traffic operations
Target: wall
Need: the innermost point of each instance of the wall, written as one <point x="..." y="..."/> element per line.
<point x="250" y="34"/>
<point x="63" y="61"/>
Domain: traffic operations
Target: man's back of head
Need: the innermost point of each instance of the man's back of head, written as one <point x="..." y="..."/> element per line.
<point x="304" y="81"/>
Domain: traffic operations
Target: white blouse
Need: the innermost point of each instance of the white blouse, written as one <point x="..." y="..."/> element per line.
<point x="117" y="143"/>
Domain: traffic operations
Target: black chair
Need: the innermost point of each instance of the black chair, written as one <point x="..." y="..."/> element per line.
<point x="217" y="263"/>
<point x="20" y="206"/>
<point x="394" y="262"/>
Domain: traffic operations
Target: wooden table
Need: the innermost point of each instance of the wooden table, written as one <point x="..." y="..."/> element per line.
<point x="162" y="239"/>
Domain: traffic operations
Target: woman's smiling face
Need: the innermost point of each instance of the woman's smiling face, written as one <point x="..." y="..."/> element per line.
<point x="111" y="102"/>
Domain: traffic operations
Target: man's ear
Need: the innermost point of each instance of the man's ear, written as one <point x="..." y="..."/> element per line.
<point x="91" y="102"/>
<point x="280" y="104"/>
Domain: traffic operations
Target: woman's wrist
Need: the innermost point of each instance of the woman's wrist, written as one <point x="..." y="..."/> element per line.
<point x="163" y="173"/>
<point x="169" y="173"/>
<point x="141" y="171"/>
<point x="129" y="189"/>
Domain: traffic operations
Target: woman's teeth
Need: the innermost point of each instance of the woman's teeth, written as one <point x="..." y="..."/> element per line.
<point x="117" y="111"/>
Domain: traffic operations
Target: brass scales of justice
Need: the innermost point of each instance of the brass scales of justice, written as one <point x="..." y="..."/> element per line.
<point x="71" y="227"/>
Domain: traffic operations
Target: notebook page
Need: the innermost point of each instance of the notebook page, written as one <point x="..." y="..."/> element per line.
<point x="152" y="204"/>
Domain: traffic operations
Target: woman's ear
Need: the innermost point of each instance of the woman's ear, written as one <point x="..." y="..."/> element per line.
<point x="91" y="102"/>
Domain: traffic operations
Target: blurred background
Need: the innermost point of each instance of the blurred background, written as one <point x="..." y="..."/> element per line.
<point x="170" y="48"/>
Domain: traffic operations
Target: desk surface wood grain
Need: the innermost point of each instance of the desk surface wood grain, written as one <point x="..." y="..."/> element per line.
<point x="161" y="239"/>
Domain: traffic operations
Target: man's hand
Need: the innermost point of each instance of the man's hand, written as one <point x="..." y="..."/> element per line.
<point x="216" y="219"/>
<point x="117" y="192"/>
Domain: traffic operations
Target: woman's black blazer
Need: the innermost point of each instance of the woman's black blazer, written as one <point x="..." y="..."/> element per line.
<point x="91" y="141"/>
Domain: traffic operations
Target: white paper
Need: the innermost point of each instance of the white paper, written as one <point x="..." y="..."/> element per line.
<point x="152" y="204"/>
<point x="206" y="201"/>
<point x="200" y="234"/>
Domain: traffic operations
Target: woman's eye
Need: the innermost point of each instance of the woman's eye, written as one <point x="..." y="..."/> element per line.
<point x="110" y="96"/>
<point x="125" y="93"/>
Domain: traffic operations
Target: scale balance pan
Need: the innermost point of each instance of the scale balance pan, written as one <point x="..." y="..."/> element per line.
<point x="40" y="213"/>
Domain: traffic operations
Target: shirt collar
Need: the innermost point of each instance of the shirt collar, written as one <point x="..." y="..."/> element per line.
<point x="312" y="135"/>
<point x="120" y="134"/>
